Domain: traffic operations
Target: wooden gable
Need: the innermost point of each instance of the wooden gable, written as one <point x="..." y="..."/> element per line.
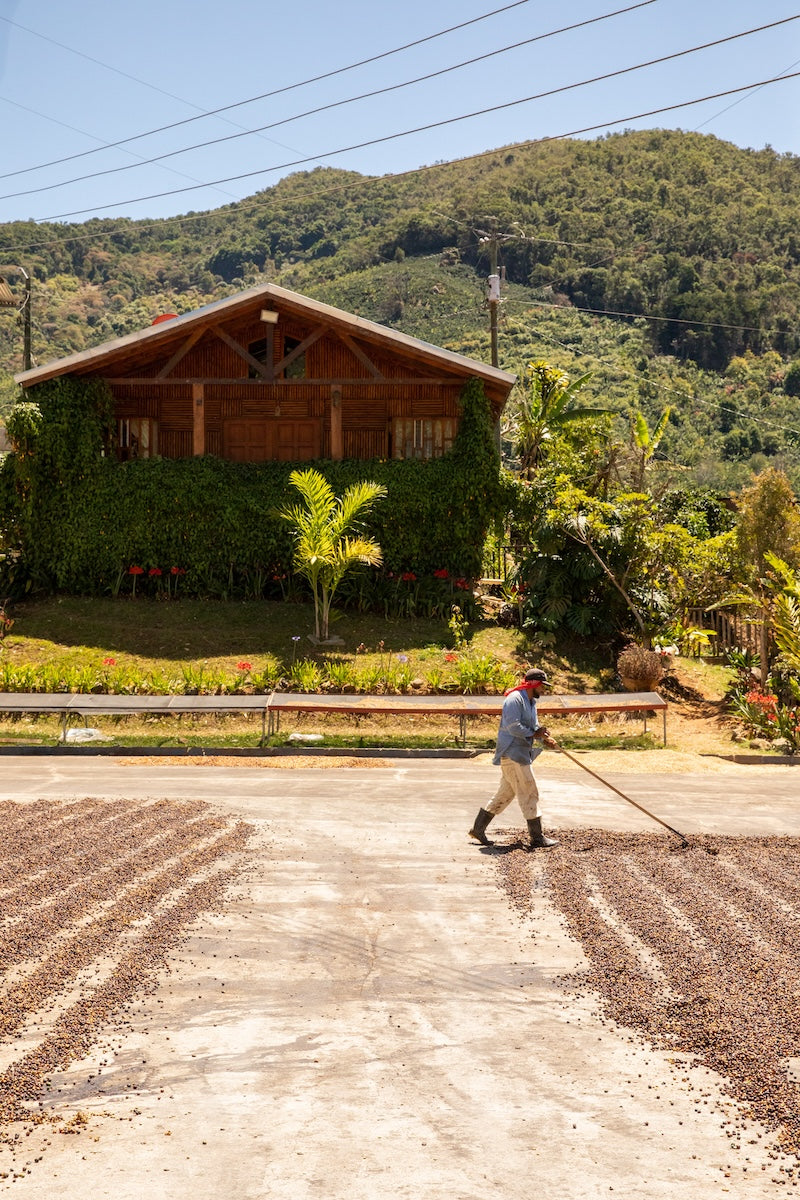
<point x="272" y="375"/>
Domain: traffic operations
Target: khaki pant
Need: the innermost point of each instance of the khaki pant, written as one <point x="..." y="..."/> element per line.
<point x="517" y="780"/>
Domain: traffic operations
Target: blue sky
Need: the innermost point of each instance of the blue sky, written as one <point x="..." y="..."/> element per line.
<point x="75" y="77"/>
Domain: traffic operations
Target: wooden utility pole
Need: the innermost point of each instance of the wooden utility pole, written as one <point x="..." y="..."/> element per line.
<point x="494" y="297"/>
<point x="491" y="240"/>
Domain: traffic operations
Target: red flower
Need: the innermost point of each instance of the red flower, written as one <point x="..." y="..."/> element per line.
<point x="154" y="571"/>
<point x="408" y="577"/>
<point x="463" y="585"/>
<point x="177" y="571"/>
<point x="136" y="570"/>
<point x="441" y="574"/>
<point x="109" y="662"/>
<point x="244" y="666"/>
<point x="451" y="658"/>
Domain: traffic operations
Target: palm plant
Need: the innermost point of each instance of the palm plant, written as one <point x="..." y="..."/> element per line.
<point x="544" y="410"/>
<point x="327" y="543"/>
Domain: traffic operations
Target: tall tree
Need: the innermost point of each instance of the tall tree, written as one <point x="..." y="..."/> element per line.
<point x="767" y="529"/>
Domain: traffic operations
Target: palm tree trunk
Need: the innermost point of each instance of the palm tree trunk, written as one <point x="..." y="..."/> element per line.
<point x="326" y="607"/>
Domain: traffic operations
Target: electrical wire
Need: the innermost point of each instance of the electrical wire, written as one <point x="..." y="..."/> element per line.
<point x="301" y="83"/>
<point x="132" y="153"/>
<point x="610" y="312"/>
<point x="663" y="387"/>
<point x="160" y="158"/>
<point x="390" y="137"/>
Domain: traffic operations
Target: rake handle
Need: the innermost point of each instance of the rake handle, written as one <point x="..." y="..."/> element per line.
<point x="622" y="795"/>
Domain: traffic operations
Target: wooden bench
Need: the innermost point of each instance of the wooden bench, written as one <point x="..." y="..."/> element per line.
<point x="271" y="707"/>
<point x="462" y="707"/>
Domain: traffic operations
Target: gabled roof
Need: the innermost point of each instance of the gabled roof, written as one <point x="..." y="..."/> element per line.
<point x="161" y="336"/>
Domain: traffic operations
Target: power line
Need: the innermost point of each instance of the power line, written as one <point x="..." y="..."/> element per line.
<point x="362" y="182"/>
<point x="610" y="312"/>
<point x="253" y="99"/>
<point x="663" y="387"/>
<point x="83" y="133"/>
<point x="394" y="88"/>
<point x="390" y="137"/>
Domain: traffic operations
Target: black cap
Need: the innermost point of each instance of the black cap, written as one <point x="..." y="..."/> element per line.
<point x="536" y="676"/>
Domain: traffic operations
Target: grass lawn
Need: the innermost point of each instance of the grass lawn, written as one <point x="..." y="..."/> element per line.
<point x="177" y="644"/>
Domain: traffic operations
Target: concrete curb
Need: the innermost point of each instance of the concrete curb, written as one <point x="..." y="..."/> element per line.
<point x="759" y="760"/>
<point x="238" y="752"/>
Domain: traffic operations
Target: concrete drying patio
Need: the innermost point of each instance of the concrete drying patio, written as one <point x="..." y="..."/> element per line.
<point x="369" y="1017"/>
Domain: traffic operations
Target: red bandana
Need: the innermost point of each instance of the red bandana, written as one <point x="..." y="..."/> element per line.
<point x="520" y="687"/>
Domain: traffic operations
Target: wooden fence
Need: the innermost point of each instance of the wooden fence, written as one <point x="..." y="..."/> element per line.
<point x="731" y="628"/>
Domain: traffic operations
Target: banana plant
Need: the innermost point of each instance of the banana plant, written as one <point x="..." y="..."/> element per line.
<point x="546" y="408"/>
<point x="644" y="444"/>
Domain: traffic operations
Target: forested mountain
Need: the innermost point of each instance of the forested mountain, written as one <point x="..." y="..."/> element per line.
<point x="693" y="243"/>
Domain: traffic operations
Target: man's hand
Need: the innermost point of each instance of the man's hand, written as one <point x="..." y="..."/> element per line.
<point x="549" y="742"/>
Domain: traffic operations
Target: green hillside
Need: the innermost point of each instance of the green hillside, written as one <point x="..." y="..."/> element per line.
<point x="681" y="227"/>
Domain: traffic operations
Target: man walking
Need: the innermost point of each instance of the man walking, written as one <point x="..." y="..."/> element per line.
<point x="519" y="726"/>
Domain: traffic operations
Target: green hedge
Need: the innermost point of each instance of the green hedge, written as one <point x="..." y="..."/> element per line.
<point x="74" y="519"/>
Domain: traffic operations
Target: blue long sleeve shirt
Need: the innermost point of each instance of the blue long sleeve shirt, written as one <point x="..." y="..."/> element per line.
<point x="518" y="723"/>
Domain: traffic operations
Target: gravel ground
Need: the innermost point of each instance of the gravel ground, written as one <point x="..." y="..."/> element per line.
<point x="95" y="894"/>
<point x="692" y="951"/>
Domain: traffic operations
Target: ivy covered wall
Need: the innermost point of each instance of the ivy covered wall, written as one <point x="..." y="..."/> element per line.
<point x="74" y="519"/>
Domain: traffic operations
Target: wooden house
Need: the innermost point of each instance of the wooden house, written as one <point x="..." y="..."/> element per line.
<point x="272" y="375"/>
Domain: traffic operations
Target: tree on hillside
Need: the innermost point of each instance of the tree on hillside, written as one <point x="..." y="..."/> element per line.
<point x="327" y="543"/>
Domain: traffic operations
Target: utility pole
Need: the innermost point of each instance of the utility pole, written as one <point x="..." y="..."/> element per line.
<point x="490" y="239"/>
<point x="9" y="300"/>
<point x="494" y="298"/>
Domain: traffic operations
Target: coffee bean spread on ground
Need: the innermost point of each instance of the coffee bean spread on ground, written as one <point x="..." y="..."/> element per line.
<point x="97" y="890"/>
<point x="695" y="950"/>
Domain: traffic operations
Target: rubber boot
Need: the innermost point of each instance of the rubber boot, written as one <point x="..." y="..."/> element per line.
<point x="478" y="830"/>
<point x="538" y="840"/>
